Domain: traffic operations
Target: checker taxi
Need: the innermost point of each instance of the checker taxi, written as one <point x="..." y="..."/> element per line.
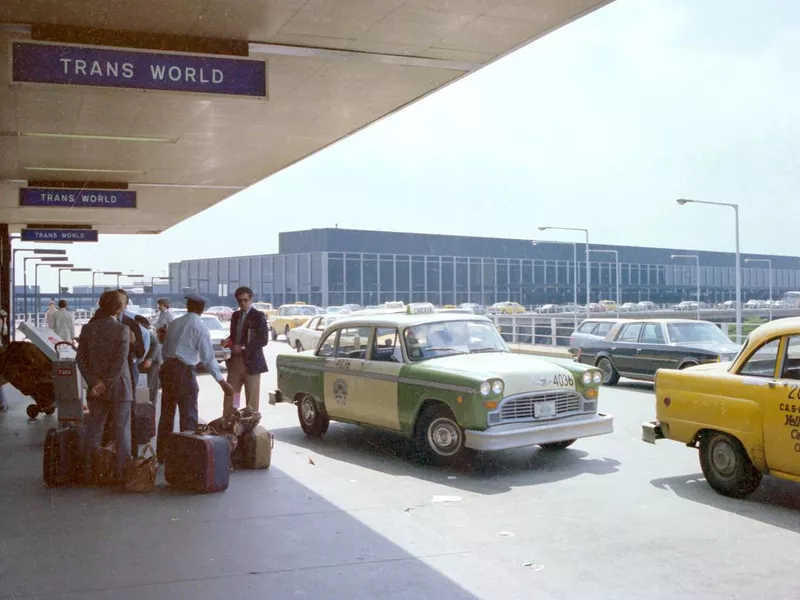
<point x="446" y="380"/>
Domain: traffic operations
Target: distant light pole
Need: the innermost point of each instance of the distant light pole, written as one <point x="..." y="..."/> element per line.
<point x="39" y="251"/>
<point x="69" y="268"/>
<point x="36" y="283"/>
<point x="697" y="259"/>
<point x="616" y="259"/>
<point x="94" y="274"/>
<point x="588" y="270"/>
<point x="769" y="262"/>
<point x="574" y="276"/>
<point x="735" y="208"/>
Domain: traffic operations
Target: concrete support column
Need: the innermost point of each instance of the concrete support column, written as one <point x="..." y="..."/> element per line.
<point x="6" y="285"/>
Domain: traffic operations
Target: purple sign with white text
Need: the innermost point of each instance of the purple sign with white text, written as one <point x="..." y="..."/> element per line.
<point x="118" y="68"/>
<point x="76" y="198"/>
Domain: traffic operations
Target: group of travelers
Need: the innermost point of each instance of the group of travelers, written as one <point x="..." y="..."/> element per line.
<point x="116" y="347"/>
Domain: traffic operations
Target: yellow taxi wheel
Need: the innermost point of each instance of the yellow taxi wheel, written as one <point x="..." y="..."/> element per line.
<point x="726" y="465"/>
<point x="286" y="331"/>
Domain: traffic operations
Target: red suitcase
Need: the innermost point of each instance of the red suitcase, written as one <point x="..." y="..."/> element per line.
<point x="199" y="463"/>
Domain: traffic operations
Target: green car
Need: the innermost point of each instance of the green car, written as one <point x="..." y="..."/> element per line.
<point x="447" y="380"/>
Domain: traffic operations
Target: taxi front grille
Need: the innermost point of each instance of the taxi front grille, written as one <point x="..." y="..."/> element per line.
<point x="521" y="408"/>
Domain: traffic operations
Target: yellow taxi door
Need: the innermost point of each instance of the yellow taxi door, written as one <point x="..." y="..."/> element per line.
<point x="343" y="398"/>
<point x="379" y="379"/>
<point x="781" y="409"/>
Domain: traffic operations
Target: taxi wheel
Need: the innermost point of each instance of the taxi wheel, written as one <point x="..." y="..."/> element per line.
<point x="298" y="346"/>
<point x="313" y="420"/>
<point x="439" y="436"/>
<point x="726" y="465"/>
<point x="610" y="374"/>
<point x="274" y="334"/>
<point x="286" y="332"/>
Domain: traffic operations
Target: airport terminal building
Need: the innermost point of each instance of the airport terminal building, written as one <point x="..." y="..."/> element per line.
<point x="329" y="267"/>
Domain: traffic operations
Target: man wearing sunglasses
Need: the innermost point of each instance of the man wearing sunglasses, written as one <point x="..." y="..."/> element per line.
<point x="249" y="335"/>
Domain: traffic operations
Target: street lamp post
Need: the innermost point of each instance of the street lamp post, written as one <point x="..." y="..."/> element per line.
<point x="95" y="273"/>
<point x="39" y="251"/>
<point x="25" y="276"/>
<point x="697" y="259"/>
<point x="769" y="262"/>
<point x="36" y="281"/>
<point x="616" y="260"/>
<point x="574" y="277"/>
<point x="69" y="268"/>
<point x="735" y="208"/>
<point x="588" y="270"/>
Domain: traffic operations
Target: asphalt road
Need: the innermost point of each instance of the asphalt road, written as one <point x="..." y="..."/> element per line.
<point x="610" y="517"/>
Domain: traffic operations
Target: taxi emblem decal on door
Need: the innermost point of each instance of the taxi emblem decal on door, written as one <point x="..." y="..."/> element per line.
<point x="340" y="392"/>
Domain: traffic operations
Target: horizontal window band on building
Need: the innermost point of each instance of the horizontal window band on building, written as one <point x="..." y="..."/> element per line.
<point x="546" y="274"/>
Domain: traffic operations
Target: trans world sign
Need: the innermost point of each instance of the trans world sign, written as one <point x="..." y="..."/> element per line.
<point x="74" y="198"/>
<point x="59" y="235"/>
<point x="69" y="64"/>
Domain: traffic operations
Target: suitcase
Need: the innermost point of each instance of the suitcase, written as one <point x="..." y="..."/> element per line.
<point x="63" y="456"/>
<point x="144" y="417"/>
<point x="104" y="468"/>
<point x="254" y="450"/>
<point x="199" y="463"/>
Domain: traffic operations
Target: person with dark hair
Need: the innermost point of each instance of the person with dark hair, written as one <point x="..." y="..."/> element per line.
<point x="165" y="316"/>
<point x="249" y="335"/>
<point x="64" y="322"/>
<point x="102" y="360"/>
<point x="186" y="345"/>
<point x="151" y="363"/>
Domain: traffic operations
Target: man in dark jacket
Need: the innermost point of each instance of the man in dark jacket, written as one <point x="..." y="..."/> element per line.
<point x="102" y="360"/>
<point x="249" y="335"/>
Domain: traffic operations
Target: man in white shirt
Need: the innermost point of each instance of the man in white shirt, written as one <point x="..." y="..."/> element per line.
<point x="63" y="322"/>
<point x="165" y="316"/>
<point x="186" y="344"/>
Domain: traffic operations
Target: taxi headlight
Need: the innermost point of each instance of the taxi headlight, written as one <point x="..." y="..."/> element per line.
<point x="587" y="377"/>
<point x="486" y="388"/>
<point x="597" y="377"/>
<point x="497" y="387"/>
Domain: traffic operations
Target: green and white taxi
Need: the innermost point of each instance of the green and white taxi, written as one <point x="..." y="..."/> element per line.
<point x="447" y="380"/>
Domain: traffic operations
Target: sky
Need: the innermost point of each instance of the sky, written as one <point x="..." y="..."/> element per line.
<point x="601" y="124"/>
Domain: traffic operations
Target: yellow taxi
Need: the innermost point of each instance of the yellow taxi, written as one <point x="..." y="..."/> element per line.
<point x="290" y="316"/>
<point x="507" y="308"/>
<point x="608" y="305"/>
<point x="266" y="308"/>
<point x="744" y="415"/>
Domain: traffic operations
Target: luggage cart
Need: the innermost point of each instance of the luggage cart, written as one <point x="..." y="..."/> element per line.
<point x="67" y="384"/>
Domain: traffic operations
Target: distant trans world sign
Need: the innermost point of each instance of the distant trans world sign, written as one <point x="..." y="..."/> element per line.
<point x="68" y="64"/>
<point x="74" y="198"/>
<point x="59" y="235"/>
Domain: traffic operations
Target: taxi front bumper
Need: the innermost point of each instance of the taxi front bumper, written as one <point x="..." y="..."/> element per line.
<point x="519" y="435"/>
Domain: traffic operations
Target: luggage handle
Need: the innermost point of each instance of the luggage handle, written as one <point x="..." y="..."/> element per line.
<point x="64" y="343"/>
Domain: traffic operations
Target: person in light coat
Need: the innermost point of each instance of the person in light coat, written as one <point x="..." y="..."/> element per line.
<point x="63" y="323"/>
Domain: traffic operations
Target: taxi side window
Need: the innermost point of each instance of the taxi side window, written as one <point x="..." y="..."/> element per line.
<point x="327" y="347"/>
<point x="352" y="343"/>
<point x="791" y="362"/>
<point x="386" y="347"/>
<point x="762" y="362"/>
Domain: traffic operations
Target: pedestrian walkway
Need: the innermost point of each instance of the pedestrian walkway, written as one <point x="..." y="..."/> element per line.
<point x="267" y="536"/>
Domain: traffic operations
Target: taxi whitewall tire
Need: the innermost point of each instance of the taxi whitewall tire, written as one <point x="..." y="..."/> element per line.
<point x="609" y="371"/>
<point x="438" y="435"/>
<point x="313" y="419"/>
<point x="726" y="465"/>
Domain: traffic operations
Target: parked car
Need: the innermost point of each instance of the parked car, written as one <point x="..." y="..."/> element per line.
<point x="590" y="329"/>
<point x="291" y="316"/>
<point x="446" y="380"/>
<point x="223" y="313"/>
<point x="307" y="335"/>
<point x="743" y="416"/>
<point x="646" y="305"/>
<point x="218" y="332"/>
<point x="637" y="349"/>
<point x="478" y="309"/>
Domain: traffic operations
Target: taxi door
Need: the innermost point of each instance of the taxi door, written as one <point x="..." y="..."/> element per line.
<point x="343" y="398"/>
<point x="782" y="412"/>
<point x="379" y="379"/>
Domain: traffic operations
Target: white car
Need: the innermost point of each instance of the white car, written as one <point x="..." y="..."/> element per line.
<point x="307" y="335"/>
<point x="218" y="332"/>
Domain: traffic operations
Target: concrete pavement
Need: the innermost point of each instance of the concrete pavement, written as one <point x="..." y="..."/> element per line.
<point x="354" y="515"/>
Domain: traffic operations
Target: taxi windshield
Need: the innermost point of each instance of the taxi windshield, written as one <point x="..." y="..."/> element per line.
<point x="682" y="333"/>
<point x="446" y="338"/>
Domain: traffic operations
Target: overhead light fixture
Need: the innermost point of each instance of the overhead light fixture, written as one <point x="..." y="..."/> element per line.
<point x="98" y="137"/>
<point x="74" y="170"/>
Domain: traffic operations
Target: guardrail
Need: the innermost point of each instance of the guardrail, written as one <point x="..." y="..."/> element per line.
<point x="551" y="330"/>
